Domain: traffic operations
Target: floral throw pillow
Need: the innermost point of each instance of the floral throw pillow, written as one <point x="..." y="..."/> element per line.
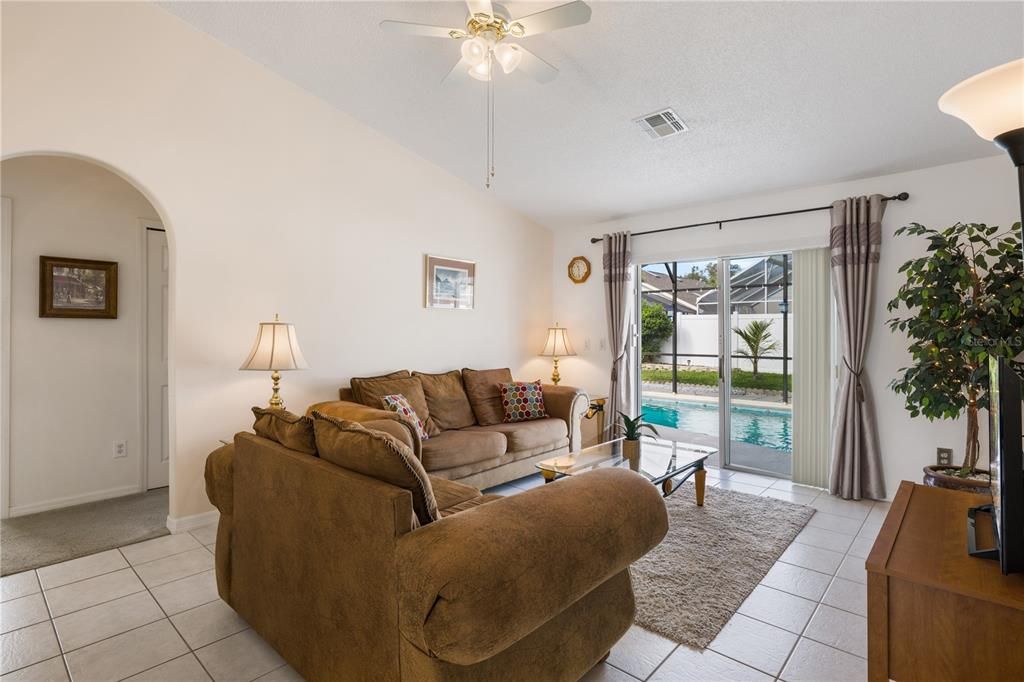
<point x="396" y="402"/>
<point x="522" y="401"/>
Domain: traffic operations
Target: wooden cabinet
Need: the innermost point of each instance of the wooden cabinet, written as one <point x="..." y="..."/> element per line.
<point x="934" y="612"/>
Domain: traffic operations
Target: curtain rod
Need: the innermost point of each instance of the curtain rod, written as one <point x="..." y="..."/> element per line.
<point x="902" y="196"/>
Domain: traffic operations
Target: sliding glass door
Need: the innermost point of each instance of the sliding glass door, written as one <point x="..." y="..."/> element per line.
<point x="716" y="357"/>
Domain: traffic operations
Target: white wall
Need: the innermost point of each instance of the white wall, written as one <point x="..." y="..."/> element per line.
<point x="983" y="190"/>
<point x="699" y="334"/>
<point x="274" y="202"/>
<point x="74" y="382"/>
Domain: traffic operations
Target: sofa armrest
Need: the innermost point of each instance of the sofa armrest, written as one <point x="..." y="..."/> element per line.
<point x="473" y="584"/>
<point x="372" y="417"/>
<point x="220" y="471"/>
<point x="568" y="404"/>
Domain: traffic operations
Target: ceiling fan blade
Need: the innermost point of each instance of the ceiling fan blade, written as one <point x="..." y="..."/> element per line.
<point x="535" y="67"/>
<point x="563" y="16"/>
<point x="461" y="66"/>
<point x="409" y="28"/>
<point x="480" y="7"/>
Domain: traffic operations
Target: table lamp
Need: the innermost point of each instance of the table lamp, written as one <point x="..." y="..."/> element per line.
<point x="992" y="104"/>
<point x="276" y="350"/>
<point x="557" y="346"/>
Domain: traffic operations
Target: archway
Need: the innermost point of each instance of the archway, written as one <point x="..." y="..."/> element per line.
<point x="76" y="392"/>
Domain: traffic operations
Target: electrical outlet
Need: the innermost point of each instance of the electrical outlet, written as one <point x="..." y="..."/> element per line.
<point x="120" y="449"/>
<point x="944" y="456"/>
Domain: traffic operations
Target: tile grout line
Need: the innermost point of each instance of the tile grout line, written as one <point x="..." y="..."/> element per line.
<point x="630" y="675"/>
<point x="789" y="656"/>
<point x="170" y="622"/>
<point x="662" y="662"/>
<point x="117" y="549"/>
<point x="53" y="626"/>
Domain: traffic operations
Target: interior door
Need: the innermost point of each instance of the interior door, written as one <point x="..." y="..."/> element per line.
<point x="157" y="451"/>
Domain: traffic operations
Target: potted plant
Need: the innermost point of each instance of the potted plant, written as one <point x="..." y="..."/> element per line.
<point x="631" y="429"/>
<point x="962" y="303"/>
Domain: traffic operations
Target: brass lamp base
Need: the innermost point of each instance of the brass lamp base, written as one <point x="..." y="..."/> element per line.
<point x="555" y="378"/>
<point x="275" y="398"/>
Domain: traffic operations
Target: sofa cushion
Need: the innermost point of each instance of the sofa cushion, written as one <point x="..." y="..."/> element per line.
<point x="454" y="448"/>
<point x="450" y="493"/>
<point x="534" y="435"/>
<point x="482" y="387"/>
<point x="293" y="431"/>
<point x="447" y="400"/>
<point x="378" y="455"/>
<point x="522" y="401"/>
<point x="356" y="382"/>
<point x="468" y="504"/>
<point x="371" y="392"/>
<point x="403" y="431"/>
<point x="399" y="404"/>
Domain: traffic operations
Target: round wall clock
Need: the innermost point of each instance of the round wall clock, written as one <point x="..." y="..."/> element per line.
<point x="579" y="269"/>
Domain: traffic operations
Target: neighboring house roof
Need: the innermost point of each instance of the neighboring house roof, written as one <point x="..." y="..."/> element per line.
<point x="753" y="284"/>
<point x="759" y="281"/>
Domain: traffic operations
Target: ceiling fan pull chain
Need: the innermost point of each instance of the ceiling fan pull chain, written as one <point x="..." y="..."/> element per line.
<point x="490" y="83"/>
<point x="489" y="167"/>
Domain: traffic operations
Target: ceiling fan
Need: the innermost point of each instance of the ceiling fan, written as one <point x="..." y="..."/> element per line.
<point x="486" y="37"/>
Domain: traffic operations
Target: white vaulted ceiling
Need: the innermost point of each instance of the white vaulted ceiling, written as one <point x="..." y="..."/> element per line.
<point x="776" y="95"/>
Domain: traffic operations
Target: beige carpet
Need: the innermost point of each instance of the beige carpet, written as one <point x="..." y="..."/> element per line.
<point x="689" y="586"/>
<point x="46" y="538"/>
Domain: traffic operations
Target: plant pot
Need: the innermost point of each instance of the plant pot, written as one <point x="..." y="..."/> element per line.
<point x="936" y="476"/>
<point x="631" y="453"/>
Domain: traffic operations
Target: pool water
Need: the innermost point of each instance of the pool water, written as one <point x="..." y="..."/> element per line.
<point x="755" y="425"/>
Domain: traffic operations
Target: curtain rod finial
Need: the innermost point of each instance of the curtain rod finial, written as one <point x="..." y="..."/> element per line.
<point x="902" y="196"/>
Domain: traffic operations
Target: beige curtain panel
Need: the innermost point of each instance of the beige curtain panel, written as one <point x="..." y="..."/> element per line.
<point x="619" y="304"/>
<point x="812" y="366"/>
<point x="856" y="243"/>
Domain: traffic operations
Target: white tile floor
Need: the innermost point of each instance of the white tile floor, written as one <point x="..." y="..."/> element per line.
<point x="150" y="611"/>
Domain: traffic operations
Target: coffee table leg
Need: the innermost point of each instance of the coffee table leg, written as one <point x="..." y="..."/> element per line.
<point x="548" y="475"/>
<point x="666" y="487"/>
<point x="698" y="482"/>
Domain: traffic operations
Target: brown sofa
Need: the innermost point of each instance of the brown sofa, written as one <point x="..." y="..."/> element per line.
<point x="480" y="452"/>
<point x="329" y="567"/>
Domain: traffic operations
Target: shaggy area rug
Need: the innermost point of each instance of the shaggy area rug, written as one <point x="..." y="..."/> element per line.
<point x="689" y="586"/>
<point x="46" y="538"/>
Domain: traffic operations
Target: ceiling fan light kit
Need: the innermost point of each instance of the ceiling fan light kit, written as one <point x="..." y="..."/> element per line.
<point x="483" y="43"/>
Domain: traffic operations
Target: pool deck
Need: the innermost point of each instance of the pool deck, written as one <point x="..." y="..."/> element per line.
<point x="745" y="455"/>
<point x="713" y="400"/>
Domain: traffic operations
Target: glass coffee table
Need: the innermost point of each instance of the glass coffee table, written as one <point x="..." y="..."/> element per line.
<point x="663" y="462"/>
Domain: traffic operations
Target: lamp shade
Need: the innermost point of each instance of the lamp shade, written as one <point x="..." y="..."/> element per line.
<point x="276" y="348"/>
<point x="992" y="102"/>
<point x="558" y="343"/>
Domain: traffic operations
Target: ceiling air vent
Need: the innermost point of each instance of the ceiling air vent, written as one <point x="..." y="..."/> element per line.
<point x="661" y="124"/>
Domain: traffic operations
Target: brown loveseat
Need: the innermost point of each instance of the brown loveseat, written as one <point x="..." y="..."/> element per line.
<point x="333" y="570"/>
<point x="468" y="440"/>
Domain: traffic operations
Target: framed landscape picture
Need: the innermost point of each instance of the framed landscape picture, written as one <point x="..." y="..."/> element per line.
<point x="449" y="283"/>
<point x="75" y="287"/>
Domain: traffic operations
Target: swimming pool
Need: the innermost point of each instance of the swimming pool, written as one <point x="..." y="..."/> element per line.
<point x="755" y="425"/>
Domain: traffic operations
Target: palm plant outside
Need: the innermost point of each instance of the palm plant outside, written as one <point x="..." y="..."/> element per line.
<point x="757" y="336"/>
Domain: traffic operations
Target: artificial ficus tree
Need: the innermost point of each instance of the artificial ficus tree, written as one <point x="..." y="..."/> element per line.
<point x="961" y="303"/>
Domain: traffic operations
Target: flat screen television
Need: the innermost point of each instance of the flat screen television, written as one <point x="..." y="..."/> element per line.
<point x="1006" y="462"/>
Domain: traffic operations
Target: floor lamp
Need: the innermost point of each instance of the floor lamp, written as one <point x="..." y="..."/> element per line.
<point x="992" y="103"/>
